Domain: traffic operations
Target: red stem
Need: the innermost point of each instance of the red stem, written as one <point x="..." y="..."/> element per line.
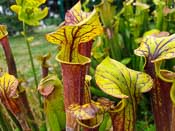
<point x="73" y="81"/>
<point x="44" y="71"/>
<point x="85" y="50"/>
<point x="9" y="56"/>
<point x="173" y="119"/>
<point x="161" y="103"/>
<point x="125" y="120"/>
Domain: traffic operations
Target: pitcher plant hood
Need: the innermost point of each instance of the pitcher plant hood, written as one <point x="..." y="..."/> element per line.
<point x="78" y="27"/>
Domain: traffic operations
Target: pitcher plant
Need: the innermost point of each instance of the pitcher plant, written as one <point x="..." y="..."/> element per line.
<point x="9" y="98"/>
<point x="117" y="80"/>
<point x="156" y="50"/>
<point x="79" y="27"/>
<point x="52" y="90"/>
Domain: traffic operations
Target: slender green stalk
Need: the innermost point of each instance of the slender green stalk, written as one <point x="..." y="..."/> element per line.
<point x="31" y="60"/>
<point x="30" y="54"/>
<point x="34" y="71"/>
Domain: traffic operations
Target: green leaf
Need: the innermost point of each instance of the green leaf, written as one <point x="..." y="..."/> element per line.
<point x="106" y="124"/>
<point x="107" y="11"/>
<point x="126" y="61"/>
<point x="52" y="119"/>
<point x="119" y="81"/>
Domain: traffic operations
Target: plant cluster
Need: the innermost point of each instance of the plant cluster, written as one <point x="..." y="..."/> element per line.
<point x="103" y="77"/>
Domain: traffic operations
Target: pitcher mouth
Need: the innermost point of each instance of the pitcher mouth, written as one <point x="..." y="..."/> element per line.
<point x="168" y="74"/>
<point x="83" y="60"/>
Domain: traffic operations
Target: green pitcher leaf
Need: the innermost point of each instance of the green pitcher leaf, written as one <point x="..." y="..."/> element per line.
<point x="119" y="81"/>
<point x="107" y="11"/>
<point x="106" y="124"/>
<point x="157" y="48"/>
<point x="71" y="35"/>
<point x="52" y="119"/>
<point x="52" y="88"/>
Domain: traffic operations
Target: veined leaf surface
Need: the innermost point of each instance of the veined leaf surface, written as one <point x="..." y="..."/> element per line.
<point x="80" y="30"/>
<point x="75" y="15"/>
<point x="119" y="81"/>
<point x="157" y="48"/>
<point x="8" y="86"/>
<point x="86" y="111"/>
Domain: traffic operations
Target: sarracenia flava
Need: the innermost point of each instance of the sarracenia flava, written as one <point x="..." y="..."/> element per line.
<point x="79" y="27"/>
<point x="117" y="80"/>
<point x="156" y="49"/>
